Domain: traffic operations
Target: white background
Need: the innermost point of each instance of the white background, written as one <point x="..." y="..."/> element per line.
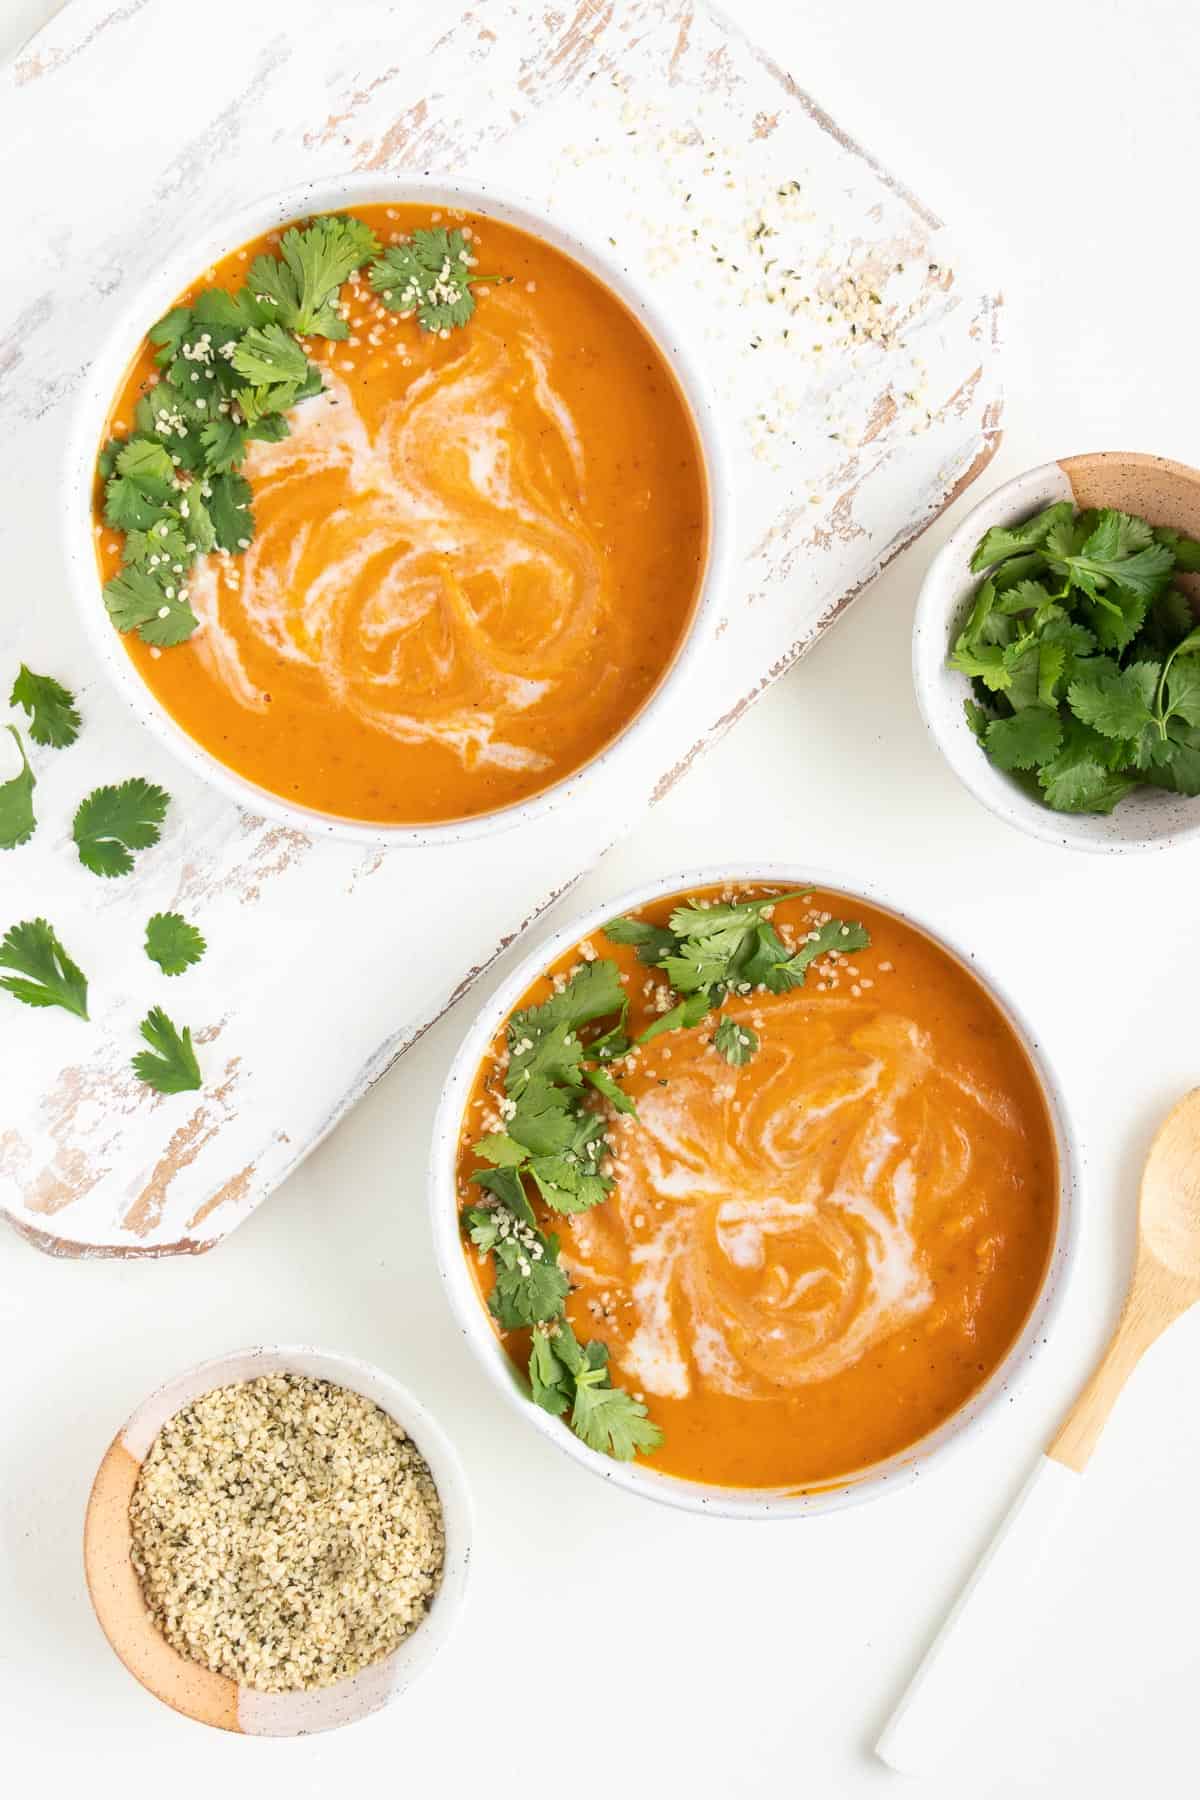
<point x="611" y="1645"/>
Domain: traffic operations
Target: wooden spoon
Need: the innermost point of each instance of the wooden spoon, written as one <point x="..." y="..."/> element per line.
<point x="999" y="1594"/>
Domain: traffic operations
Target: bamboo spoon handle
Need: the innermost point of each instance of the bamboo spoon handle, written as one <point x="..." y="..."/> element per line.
<point x="993" y="1610"/>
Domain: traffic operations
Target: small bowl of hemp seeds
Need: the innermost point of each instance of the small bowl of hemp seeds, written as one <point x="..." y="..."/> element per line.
<point x="277" y="1541"/>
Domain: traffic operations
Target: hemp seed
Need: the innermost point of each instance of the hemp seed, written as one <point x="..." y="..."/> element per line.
<point x="286" y="1532"/>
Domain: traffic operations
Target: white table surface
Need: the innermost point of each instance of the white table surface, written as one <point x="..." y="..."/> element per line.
<point x="748" y="1659"/>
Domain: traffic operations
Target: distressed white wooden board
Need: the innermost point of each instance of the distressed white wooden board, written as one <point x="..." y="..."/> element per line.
<point x="647" y="120"/>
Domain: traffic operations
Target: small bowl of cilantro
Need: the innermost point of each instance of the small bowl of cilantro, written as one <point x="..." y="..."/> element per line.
<point x="1056" y="652"/>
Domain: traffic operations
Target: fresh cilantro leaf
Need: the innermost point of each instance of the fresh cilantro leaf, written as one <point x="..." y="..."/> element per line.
<point x="972" y="631"/>
<point x="1145" y="574"/>
<point x="507" y="1186"/>
<point x="1116" y="702"/>
<point x="1078" y="778"/>
<point x="689" y="1012"/>
<point x="197" y="521"/>
<point x="610" y="1420"/>
<point x="1052" y="664"/>
<point x="1117" y="534"/>
<point x="982" y="662"/>
<point x="106" y="462"/>
<point x="1074" y="638"/>
<point x="702" y="962"/>
<point x="16" y="801"/>
<point x="170" y="332"/>
<point x="1010" y="540"/>
<point x="172" y="943"/>
<point x="838" y="935"/>
<point x="501" y="1150"/>
<point x="143" y="484"/>
<point x="229" y="510"/>
<point x="735" y="1042"/>
<point x="977" y="719"/>
<point x="169" y="1066"/>
<point x="708" y="921"/>
<point x="1185" y="550"/>
<point x="1116" y="618"/>
<point x="1182" y="769"/>
<point x="604" y="1084"/>
<point x="1085" y="788"/>
<point x="114" y="821"/>
<point x="1067" y="537"/>
<point x="137" y="600"/>
<point x="45" y="974"/>
<point x="653" y="942"/>
<point x="1183" y="690"/>
<point x="304" y="280"/>
<point x="1030" y="737"/>
<point x="550" y="1380"/>
<point x="1030" y="597"/>
<point x="270" y="354"/>
<point x="256" y="404"/>
<point x="1168" y="620"/>
<point x="530" y="1289"/>
<point x="155" y="549"/>
<point x="546" y="1037"/>
<point x="568" y="1186"/>
<point x="482" y="1226"/>
<point x="543" y="1121"/>
<point x="429" y="274"/>
<point x="1015" y="569"/>
<point x="224" y="440"/>
<point x="53" y="715"/>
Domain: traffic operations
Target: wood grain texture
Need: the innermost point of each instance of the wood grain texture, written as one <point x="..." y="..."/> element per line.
<point x="655" y="123"/>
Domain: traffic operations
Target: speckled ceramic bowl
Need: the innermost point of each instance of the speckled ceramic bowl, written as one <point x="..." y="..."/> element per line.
<point x="165" y="280"/>
<point x="216" y="1699"/>
<point x="889" y="1476"/>
<point x="1166" y="493"/>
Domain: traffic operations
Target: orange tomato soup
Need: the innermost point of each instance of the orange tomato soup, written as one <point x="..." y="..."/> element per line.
<point x="809" y="1262"/>
<point x="475" y="557"/>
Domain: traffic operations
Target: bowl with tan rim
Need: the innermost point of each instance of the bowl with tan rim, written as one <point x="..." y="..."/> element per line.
<point x="1154" y="488"/>
<point x="191" y="1688"/>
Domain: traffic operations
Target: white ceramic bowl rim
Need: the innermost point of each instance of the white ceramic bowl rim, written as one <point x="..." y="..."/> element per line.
<point x="343" y="1702"/>
<point x="472" y="1319"/>
<point x="156" y="294"/>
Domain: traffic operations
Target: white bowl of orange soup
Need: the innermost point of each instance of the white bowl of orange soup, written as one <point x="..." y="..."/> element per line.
<point x="818" y="1265"/>
<point x="480" y="558"/>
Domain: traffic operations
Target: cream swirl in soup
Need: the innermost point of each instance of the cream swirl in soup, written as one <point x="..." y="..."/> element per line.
<point x="806" y="1262"/>
<point x="469" y="564"/>
<point x="437" y="572"/>
<point x="767" y="1221"/>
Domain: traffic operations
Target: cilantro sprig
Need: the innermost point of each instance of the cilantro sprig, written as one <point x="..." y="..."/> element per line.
<point x="43" y="973"/>
<point x="173" y="943"/>
<point x="711" y="952"/>
<point x="231" y="368"/>
<point x="430" y="274"/>
<point x="1084" y="659"/>
<point x="169" y="1065"/>
<point x="53" y="715"/>
<point x="553" y="1147"/>
<point x="113" y="822"/>
<point x="16" y="801"/>
<point x="555" y="1138"/>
